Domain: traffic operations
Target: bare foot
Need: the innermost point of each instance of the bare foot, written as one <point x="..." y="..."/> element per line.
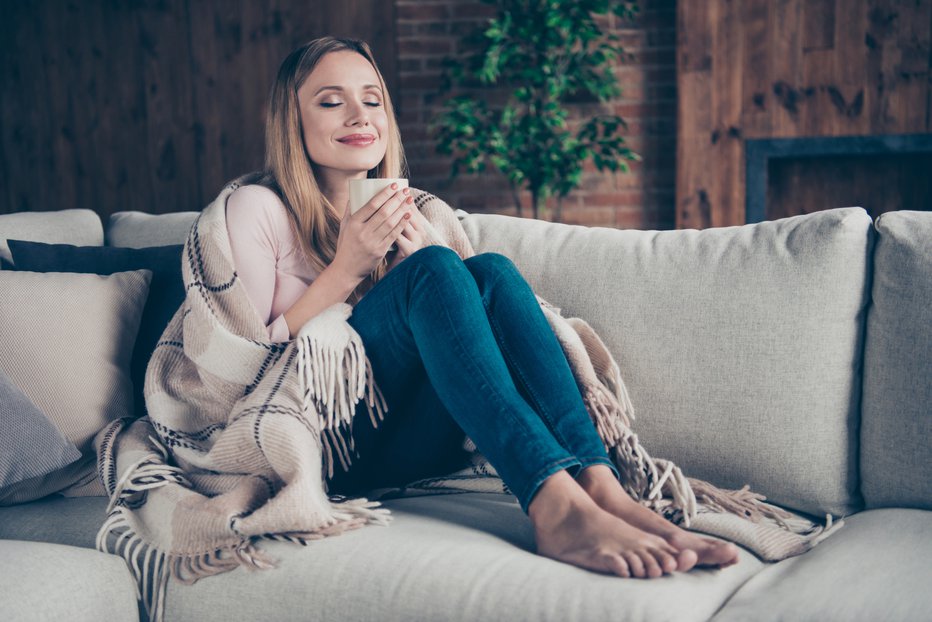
<point x="570" y="527"/>
<point x="600" y="483"/>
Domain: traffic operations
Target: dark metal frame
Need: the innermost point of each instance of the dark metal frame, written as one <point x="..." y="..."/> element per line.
<point x="759" y="152"/>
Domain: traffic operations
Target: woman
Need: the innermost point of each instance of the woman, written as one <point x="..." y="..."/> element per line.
<point x="457" y="347"/>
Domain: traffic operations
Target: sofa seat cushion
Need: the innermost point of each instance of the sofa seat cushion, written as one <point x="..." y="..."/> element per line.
<point x="876" y="568"/>
<point x="44" y="581"/>
<point x="452" y="557"/>
<point x="741" y="346"/>
<point x="73" y="521"/>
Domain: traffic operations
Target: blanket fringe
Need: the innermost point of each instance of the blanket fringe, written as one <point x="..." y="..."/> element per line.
<point x="741" y="502"/>
<point x="153" y="568"/>
<point x="646" y="479"/>
<point x="334" y="380"/>
<point x="147" y="473"/>
<point x="335" y="375"/>
<point x="360" y="508"/>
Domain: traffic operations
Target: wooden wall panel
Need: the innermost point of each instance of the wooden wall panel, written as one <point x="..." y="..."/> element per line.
<point x="150" y="105"/>
<point x="694" y="122"/>
<point x="790" y="68"/>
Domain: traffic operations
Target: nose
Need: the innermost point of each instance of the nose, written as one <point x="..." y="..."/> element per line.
<point x="359" y="114"/>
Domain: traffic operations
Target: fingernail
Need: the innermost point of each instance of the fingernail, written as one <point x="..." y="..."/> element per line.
<point x="408" y="215"/>
<point x="407" y="191"/>
<point x="409" y="200"/>
<point x="394" y="186"/>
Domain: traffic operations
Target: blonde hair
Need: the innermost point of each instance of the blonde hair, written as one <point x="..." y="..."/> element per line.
<point x="289" y="169"/>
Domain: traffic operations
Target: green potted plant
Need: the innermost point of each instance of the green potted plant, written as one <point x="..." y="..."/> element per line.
<point x="542" y="57"/>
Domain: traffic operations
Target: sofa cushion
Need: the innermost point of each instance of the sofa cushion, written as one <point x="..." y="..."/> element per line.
<point x="740" y="346"/>
<point x="896" y="454"/>
<point x="166" y="291"/>
<point x="53" y="582"/>
<point x="452" y="557"/>
<point x="875" y="568"/>
<point x="138" y="229"/>
<point x="30" y="445"/>
<point x="73" y="521"/>
<point x="67" y="341"/>
<point x="70" y="226"/>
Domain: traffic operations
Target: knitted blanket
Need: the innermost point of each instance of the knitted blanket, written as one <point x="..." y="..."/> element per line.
<point x="242" y="432"/>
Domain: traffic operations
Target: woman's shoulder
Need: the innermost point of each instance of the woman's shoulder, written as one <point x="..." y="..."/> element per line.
<point x="256" y="196"/>
<point x="257" y="211"/>
<point x="255" y="203"/>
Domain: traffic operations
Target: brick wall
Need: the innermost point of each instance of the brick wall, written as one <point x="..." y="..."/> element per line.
<point x="430" y="30"/>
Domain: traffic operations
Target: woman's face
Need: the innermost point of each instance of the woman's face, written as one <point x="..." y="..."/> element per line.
<point x="343" y="116"/>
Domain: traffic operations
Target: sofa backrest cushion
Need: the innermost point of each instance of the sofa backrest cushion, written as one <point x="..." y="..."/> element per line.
<point x="166" y="291"/>
<point x="138" y="229"/>
<point x="740" y="346"/>
<point x="896" y="434"/>
<point x="71" y="226"/>
<point x="30" y="445"/>
<point x="66" y="341"/>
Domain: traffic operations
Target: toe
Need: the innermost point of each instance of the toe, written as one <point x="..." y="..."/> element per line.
<point x="651" y="565"/>
<point x="635" y="564"/>
<point x="686" y="560"/>
<point x="617" y="565"/>
<point x="667" y="561"/>
<point x="716" y="553"/>
<point x="730" y="555"/>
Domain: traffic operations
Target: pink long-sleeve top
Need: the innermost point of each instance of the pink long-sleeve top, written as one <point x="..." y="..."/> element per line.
<point x="267" y="255"/>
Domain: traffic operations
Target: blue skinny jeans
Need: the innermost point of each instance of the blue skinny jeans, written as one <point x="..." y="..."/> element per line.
<point x="462" y="348"/>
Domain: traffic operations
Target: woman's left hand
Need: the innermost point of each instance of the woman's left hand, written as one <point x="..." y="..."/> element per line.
<point x="411" y="240"/>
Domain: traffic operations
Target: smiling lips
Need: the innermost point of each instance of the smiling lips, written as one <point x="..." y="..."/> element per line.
<point x="357" y="140"/>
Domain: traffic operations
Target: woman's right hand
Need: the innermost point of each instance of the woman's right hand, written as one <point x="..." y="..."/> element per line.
<point x="366" y="236"/>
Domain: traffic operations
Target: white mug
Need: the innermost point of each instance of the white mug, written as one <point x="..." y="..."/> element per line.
<point x="361" y="190"/>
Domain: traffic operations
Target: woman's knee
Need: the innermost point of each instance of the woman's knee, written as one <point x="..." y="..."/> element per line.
<point x="436" y="261"/>
<point x="489" y="268"/>
<point x="439" y="258"/>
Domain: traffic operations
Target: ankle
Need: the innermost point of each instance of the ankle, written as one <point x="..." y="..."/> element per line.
<point x="598" y="479"/>
<point x="557" y="497"/>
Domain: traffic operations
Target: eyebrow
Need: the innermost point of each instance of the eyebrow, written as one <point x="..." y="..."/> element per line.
<point x="365" y="87"/>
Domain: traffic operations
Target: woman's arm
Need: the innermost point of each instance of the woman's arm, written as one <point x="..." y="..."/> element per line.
<point x="364" y="238"/>
<point x="260" y="236"/>
<point x="264" y="251"/>
<point x="255" y="244"/>
<point x="329" y="288"/>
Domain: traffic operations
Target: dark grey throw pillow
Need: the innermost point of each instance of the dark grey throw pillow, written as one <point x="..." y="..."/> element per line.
<point x="166" y="291"/>
<point x="30" y="444"/>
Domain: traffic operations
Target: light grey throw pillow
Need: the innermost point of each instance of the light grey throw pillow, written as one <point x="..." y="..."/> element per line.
<point x="66" y="341"/>
<point x="896" y="433"/>
<point x="139" y="229"/>
<point x="81" y="227"/>
<point x="741" y="346"/>
<point x="30" y="445"/>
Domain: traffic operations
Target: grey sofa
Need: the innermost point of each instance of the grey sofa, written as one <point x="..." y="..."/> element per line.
<point x="793" y="355"/>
